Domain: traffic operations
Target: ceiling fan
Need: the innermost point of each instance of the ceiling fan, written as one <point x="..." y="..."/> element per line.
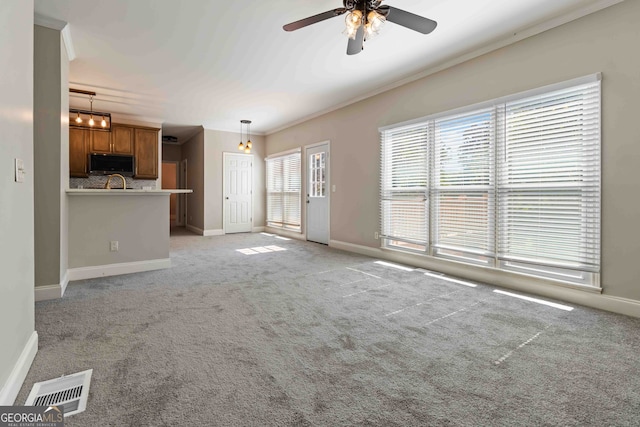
<point x="364" y="19"/>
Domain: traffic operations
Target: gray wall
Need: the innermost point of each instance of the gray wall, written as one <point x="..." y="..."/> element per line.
<point x="51" y="155"/>
<point x="216" y="143"/>
<point x="140" y="223"/>
<point x="171" y="153"/>
<point x="606" y="42"/>
<point x="193" y="151"/>
<point x="16" y="209"/>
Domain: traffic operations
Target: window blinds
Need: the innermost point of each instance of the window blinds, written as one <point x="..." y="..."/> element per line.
<point x="512" y="184"/>
<point x="404" y="187"/>
<point x="462" y="190"/>
<point x="283" y="191"/>
<point x="549" y="168"/>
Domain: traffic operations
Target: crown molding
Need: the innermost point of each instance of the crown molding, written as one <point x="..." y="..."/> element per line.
<point x="63" y="27"/>
<point x="511" y="38"/>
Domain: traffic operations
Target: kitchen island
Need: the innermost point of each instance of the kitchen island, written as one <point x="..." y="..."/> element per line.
<point x="118" y="231"/>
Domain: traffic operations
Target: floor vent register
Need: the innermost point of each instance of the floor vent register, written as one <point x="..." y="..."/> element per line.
<point x="69" y="391"/>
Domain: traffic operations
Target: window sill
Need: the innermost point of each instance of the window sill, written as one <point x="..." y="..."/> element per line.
<point x="481" y="273"/>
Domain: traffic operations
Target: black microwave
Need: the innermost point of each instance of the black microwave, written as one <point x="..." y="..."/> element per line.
<point x="102" y="164"/>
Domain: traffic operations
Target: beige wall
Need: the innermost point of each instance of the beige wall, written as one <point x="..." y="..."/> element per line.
<point x="606" y="42"/>
<point x="51" y="158"/>
<point x="16" y="211"/>
<point x="217" y="143"/>
<point x="193" y="152"/>
<point x="140" y="224"/>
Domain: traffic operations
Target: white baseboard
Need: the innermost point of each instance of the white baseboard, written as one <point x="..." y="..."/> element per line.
<point x="215" y="232"/>
<point x="194" y="229"/>
<point x="43" y="293"/>
<point x="257" y="229"/>
<point x="11" y="388"/>
<point x="82" y="273"/>
<point x="64" y="282"/>
<point x="582" y="295"/>
<point x="200" y="231"/>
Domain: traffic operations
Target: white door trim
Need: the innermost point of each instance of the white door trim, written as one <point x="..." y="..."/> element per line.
<point x="305" y="178"/>
<point x="224" y="187"/>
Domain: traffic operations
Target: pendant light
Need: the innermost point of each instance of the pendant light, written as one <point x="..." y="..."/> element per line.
<point x="85" y="119"/>
<point x="246" y="147"/>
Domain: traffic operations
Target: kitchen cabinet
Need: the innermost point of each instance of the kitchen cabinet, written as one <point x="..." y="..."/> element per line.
<point x="146" y="153"/>
<point x="122" y="139"/>
<point x="140" y="142"/>
<point x="118" y="141"/>
<point x="78" y="150"/>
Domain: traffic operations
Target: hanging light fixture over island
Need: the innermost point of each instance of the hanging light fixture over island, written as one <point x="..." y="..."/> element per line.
<point x="84" y="119"/>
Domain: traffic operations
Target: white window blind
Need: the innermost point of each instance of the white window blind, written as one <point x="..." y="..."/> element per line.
<point x="549" y="171"/>
<point x="513" y="184"/>
<point x="462" y="190"/>
<point x="283" y="191"/>
<point x="404" y="188"/>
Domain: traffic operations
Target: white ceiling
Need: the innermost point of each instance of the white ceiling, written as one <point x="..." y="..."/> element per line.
<point x="214" y="62"/>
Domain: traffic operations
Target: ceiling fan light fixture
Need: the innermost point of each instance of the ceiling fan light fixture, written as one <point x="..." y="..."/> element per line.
<point x="364" y="18"/>
<point x="353" y="21"/>
<point x="376" y="20"/>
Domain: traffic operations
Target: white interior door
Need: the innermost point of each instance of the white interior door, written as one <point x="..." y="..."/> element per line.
<point x="238" y="189"/>
<point x="318" y="194"/>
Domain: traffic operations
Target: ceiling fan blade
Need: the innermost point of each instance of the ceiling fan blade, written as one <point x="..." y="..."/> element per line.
<point x="409" y="20"/>
<point x="356" y="45"/>
<point x="313" y="19"/>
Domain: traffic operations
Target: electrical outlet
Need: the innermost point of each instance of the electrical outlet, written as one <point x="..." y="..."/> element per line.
<point x="114" y="246"/>
<point x="376" y="235"/>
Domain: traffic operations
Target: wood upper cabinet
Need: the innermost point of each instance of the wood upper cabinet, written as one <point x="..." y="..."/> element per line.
<point x="122" y="139"/>
<point x="146" y="153"/>
<point x="78" y="150"/>
<point x="140" y="142"/>
<point x="118" y="141"/>
<point x="99" y="141"/>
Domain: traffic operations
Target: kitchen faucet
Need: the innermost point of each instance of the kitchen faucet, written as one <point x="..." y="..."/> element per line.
<point x="107" y="185"/>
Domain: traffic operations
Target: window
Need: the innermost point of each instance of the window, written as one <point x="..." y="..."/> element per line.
<point x="512" y="184"/>
<point x="283" y="191"/>
<point x="317" y="175"/>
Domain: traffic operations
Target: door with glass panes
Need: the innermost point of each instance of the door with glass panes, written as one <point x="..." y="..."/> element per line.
<point x="318" y="194"/>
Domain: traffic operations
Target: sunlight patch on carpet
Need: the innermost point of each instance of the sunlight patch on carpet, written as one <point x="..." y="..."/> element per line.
<point x="536" y="300"/>
<point x="399" y="267"/>
<point x="260" y="250"/>
<point x="448" y="279"/>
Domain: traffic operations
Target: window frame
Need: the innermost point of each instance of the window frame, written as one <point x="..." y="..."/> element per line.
<point x="561" y="272"/>
<point x="287" y="184"/>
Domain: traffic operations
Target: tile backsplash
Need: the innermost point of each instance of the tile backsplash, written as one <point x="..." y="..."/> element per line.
<point x="98" y="181"/>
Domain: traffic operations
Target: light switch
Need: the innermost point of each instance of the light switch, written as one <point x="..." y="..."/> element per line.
<point x="19" y="166"/>
<point x="333" y="188"/>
